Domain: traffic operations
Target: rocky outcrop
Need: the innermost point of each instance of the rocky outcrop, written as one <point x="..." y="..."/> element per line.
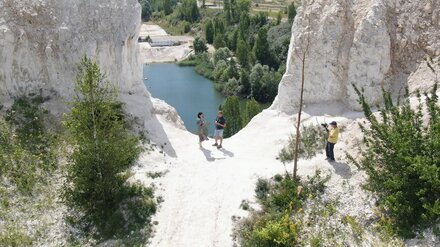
<point x="41" y="42"/>
<point x="369" y="43"/>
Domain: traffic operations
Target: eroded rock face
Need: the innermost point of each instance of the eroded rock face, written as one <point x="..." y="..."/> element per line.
<point x="369" y="43"/>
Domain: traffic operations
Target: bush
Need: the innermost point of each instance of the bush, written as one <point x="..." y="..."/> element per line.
<point x="402" y="160"/>
<point x="280" y="198"/>
<point x="312" y="141"/>
<point x="26" y="149"/>
<point x="199" y="45"/>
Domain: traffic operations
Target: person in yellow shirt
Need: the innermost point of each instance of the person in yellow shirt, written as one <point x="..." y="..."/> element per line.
<point x="333" y="135"/>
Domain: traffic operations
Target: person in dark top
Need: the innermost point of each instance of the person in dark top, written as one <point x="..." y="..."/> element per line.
<point x="220" y="124"/>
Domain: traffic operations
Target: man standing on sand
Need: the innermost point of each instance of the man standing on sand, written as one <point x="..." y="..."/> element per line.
<point x="333" y="134"/>
<point x="220" y="124"/>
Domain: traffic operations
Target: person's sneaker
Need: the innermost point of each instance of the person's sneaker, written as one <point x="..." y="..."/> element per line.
<point x="331" y="160"/>
<point x="219" y="146"/>
<point x="327" y="158"/>
<point x="215" y="144"/>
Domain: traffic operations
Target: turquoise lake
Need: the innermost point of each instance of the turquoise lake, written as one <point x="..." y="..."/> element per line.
<point x="185" y="90"/>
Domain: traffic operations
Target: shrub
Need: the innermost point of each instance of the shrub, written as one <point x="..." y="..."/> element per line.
<point x="402" y="160"/>
<point x="199" y="45"/>
<point x="26" y="149"/>
<point x="312" y="141"/>
<point x="281" y="198"/>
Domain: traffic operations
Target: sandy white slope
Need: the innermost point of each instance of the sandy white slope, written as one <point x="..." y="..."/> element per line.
<point x="203" y="188"/>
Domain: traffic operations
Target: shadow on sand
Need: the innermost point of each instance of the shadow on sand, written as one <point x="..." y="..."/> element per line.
<point x="342" y="169"/>
<point x="226" y="152"/>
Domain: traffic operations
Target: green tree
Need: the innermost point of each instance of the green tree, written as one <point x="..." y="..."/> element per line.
<point x="244" y="7"/>
<point x="102" y="151"/>
<point x="251" y="110"/>
<point x="245" y="85"/>
<point x="189" y="11"/>
<point x="219" y="41"/>
<point x="291" y="12"/>
<point x="232" y="39"/>
<point x="242" y="53"/>
<point x="222" y="54"/>
<point x="401" y="157"/>
<point x="244" y="25"/>
<point x="279" y="17"/>
<point x="227" y="11"/>
<point x="261" y="47"/>
<point x="167" y="7"/>
<point x="200" y="45"/>
<point x="146" y="9"/>
<point x="209" y="31"/>
<point x="232" y="69"/>
<point x="231" y="110"/>
<point x="219" y="26"/>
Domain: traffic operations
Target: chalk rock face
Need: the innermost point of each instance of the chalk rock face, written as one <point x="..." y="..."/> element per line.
<point x="41" y="42"/>
<point x="368" y="43"/>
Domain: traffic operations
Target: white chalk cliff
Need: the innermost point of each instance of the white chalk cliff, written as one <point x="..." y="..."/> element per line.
<point x="369" y="43"/>
<point x="41" y="42"/>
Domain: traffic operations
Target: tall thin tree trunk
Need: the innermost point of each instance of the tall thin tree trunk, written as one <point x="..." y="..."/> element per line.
<point x="298" y="124"/>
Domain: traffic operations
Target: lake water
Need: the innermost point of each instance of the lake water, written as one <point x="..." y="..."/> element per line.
<point x="185" y="90"/>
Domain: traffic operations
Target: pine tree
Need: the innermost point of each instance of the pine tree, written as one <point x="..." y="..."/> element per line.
<point x="227" y="10"/>
<point x="102" y="150"/>
<point x="401" y="158"/>
<point x="291" y="12"/>
<point x="242" y="53"/>
<point x="261" y="47"/>
<point x="231" y="110"/>
<point x="219" y="41"/>
<point x="167" y="7"/>
<point x="279" y="17"/>
<point x="209" y="31"/>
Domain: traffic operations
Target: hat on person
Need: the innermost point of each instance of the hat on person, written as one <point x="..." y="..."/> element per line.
<point x="333" y="123"/>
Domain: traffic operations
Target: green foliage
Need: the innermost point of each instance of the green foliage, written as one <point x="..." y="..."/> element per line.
<point x="189" y="11"/>
<point x="209" y="31"/>
<point x="280" y="198"/>
<point x="26" y="154"/>
<point x="222" y="54"/>
<point x="28" y="160"/>
<point x="186" y="27"/>
<point x="402" y="160"/>
<point x="261" y="47"/>
<point x="96" y="185"/>
<point x="312" y="141"/>
<point x="242" y="53"/>
<point x="264" y="83"/>
<point x="279" y="17"/>
<point x="200" y="45"/>
<point x="219" y="41"/>
<point x="251" y="110"/>
<point x="14" y="237"/>
<point x="231" y="110"/>
<point x="279" y="40"/>
<point x="291" y="12"/>
<point x="147" y="9"/>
